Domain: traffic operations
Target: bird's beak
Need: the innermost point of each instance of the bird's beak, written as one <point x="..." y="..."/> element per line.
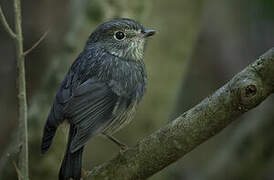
<point x="148" y="33"/>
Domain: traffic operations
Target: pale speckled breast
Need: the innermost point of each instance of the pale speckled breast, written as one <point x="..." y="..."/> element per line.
<point x="121" y="120"/>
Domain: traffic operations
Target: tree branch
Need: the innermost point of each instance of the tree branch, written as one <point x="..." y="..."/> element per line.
<point x="36" y="44"/>
<point x="243" y="92"/>
<point x="23" y="163"/>
<point x="19" y="175"/>
<point x="6" y="25"/>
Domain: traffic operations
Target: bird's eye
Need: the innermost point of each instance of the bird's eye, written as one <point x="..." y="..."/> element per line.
<point x="119" y="35"/>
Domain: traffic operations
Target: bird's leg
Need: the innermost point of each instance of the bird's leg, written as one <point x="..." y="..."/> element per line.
<point x="83" y="174"/>
<point x="123" y="147"/>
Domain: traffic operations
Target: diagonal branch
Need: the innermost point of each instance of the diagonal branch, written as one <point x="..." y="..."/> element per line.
<point x="6" y="25"/>
<point x="37" y="43"/>
<point x="19" y="175"/>
<point x="243" y="92"/>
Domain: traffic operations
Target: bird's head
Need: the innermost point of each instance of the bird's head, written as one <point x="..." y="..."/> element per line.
<point x="124" y="38"/>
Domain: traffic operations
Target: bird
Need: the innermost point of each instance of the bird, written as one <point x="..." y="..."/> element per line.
<point x="101" y="91"/>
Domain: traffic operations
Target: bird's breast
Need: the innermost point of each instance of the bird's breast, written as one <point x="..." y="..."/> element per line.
<point x="126" y="78"/>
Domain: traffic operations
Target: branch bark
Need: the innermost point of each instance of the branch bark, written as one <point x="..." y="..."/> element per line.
<point x="21" y="85"/>
<point x="6" y="25"/>
<point x="243" y="92"/>
<point x="23" y="162"/>
<point x="36" y="44"/>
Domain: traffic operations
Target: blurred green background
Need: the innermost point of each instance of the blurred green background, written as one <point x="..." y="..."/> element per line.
<point x="199" y="46"/>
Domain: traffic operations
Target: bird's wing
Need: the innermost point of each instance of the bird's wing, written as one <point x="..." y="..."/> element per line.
<point x="91" y="109"/>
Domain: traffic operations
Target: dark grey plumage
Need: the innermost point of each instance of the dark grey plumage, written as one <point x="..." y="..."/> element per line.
<point x="101" y="90"/>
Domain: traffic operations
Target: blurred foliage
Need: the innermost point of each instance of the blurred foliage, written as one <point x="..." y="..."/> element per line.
<point x="199" y="46"/>
<point x="266" y="6"/>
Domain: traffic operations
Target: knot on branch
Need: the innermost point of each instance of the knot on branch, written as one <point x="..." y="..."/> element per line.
<point x="248" y="90"/>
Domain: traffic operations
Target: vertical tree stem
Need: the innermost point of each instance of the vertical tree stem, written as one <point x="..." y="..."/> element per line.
<point x="22" y="101"/>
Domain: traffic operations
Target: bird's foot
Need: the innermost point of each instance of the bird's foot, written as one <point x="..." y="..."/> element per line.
<point x="83" y="174"/>
<point x="123" y="149"/>
<point x="123" y="146"/>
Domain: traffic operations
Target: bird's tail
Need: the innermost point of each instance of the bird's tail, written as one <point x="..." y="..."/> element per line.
<point x="48" y="135"/>
<point x="72" y="163"/>
<point x="54" y="119"/>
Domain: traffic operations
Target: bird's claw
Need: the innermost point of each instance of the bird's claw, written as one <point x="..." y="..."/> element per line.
<point x="123" y="149"/>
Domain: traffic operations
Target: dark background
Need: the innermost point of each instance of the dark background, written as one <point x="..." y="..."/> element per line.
<point x="199" y="46"/>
